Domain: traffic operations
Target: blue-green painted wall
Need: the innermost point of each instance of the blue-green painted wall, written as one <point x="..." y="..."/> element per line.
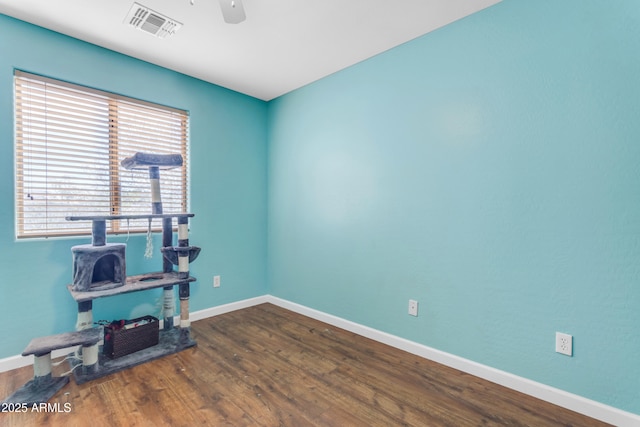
<point x="490" y="170"/>
<point x="228" y="189"/>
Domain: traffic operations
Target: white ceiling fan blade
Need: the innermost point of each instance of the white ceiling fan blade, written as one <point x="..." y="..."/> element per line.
<point x="232" y="11"/>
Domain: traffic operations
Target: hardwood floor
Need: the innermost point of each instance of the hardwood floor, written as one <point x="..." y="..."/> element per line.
<point x="266" y="366"/>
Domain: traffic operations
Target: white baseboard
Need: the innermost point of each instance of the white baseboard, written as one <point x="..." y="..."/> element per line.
<point x="227" y="308"/>
<point x="573" y="402"/>
<point x="15" y="362"/>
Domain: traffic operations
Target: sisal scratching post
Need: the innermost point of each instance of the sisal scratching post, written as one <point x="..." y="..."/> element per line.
<point x="155" y="162"/>
<point x="88" y="352"/>
<point x="182" y="255"/>
<point x="42" y="368"/>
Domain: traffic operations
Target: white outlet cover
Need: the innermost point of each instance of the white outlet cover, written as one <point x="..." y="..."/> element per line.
<point x="413" y="307"/>
<point x="564" y="344"/>
<point x="216" y="281"/>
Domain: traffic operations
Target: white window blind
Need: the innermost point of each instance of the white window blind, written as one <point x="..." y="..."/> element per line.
<point x="70" y="141"/>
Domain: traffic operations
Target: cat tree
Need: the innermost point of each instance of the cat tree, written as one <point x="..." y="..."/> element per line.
<point x="99" y="271"/>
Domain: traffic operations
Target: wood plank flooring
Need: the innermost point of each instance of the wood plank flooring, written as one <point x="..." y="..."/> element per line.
<point x="266" y="366"/>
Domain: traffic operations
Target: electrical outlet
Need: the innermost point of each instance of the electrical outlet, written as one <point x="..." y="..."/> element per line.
<point x="216" y="281"/>
<point x="564" y="344"/>
<point x="413" y="307"/>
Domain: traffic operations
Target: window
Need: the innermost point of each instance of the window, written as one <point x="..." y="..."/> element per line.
<point x="70" y="141"/>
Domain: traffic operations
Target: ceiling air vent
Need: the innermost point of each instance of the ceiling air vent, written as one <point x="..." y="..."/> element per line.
<point x="152" y="22"/>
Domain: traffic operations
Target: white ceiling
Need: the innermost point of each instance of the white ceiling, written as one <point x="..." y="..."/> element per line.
<point x="282" y="45"/>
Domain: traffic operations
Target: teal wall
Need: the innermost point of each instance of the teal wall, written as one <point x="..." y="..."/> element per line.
<point x="228" y="189"/>
<point x="490" y="170"/>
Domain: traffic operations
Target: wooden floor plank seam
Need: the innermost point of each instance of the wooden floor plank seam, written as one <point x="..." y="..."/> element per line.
<point x="267" y="366"/>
